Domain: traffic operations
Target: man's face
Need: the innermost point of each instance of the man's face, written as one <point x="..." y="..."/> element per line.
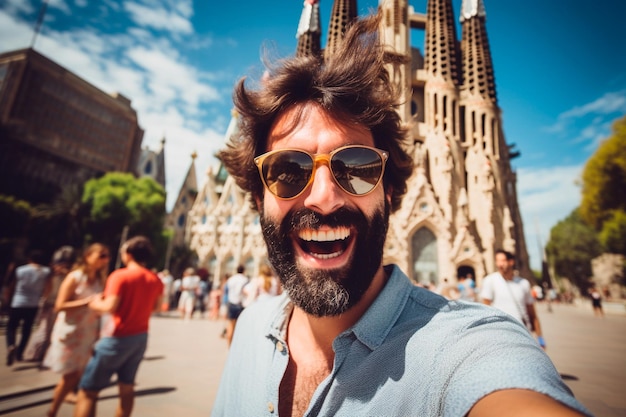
<point x="504" y="265"/>
<point x="326" y="245"/>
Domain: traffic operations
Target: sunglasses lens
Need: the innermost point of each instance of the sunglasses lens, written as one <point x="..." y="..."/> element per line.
<point x="357" y="170"/>
<point x="287" y="173"/>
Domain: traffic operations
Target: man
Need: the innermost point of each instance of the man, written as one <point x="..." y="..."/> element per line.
<point x="511" y="293"/>
<point x="29" y="285"/>
<point x="234" y="306"/>
<point x="348" y="336"/>
<point x="130" y="296"/>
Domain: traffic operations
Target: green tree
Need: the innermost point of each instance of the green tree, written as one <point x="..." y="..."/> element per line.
<point x="15" y="220"/>
<point x="604" y="179"/>
<point x="572" y="246"/>
<point x="62" y="219"/>
<point x="613" y="233"/>
<point x="119" y="199"/>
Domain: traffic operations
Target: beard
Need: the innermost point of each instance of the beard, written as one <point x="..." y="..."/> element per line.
<point x="327" y="292"/>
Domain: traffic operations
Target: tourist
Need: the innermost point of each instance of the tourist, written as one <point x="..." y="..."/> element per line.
<point x="320" y="151"/>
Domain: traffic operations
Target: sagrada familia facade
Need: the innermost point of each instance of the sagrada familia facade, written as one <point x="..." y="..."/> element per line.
<point x="461" y="203"/>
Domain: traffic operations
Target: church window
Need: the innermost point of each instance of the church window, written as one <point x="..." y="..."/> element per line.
<point x="181" y="220"/>
<point x="148" y="168"/>
<point x="424" y="252"/>
<point x="424" y="207"/>
<point x="204" y="219"/>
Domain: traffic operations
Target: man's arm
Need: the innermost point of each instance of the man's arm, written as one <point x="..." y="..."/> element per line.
<point x="105" y="304"/>
<point x="157" y="304"/>
<point x="520" y="403"/>
<point x="534" y="319"/>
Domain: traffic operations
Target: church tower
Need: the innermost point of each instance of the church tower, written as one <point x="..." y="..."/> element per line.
<point x="309" y="30"/>
<point x="344" y="12"/>
<point x="489" y="179"/>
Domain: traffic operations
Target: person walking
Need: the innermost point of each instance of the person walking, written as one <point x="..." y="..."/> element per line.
<point x="188" y="292"/>
<point x="264" y="286"/>
<point x="61" y="262"/>
<point x="29" y="285"/>
<point x="130" y="297"/>
<point x="321" y="152"/>
<point x="511" y="293"/>
<point x="234" y="305"/>
<point x="596" y="302"/>
<point x="76" y="327"/>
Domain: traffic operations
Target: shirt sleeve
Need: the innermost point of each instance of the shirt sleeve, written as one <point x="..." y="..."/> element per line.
<point x="486" y="291"/>
<point x="113" y="285"/>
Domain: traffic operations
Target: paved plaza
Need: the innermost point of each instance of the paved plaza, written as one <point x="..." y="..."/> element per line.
<point x="184" y="360"/>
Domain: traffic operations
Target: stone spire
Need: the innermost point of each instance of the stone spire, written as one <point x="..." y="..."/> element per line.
<point x="343" y="13"/>
<point x="441" y="42"/>
<point x="478" y="78"/>
<point x="309" y="29"/>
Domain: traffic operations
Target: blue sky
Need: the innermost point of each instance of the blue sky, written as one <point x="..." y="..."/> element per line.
<point x="560" y="70"/>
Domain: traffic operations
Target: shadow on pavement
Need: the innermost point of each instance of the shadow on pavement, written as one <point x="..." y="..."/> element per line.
<point x="143" y="392"/>
<point x="138" y="393"/>
<point x="153" y="358"/>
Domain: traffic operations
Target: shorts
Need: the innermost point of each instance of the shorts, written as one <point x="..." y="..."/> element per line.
<point x="114" y="355"/>
<point x="234" y="310"/>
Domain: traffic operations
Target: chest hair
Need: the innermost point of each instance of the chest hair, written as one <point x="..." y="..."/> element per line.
<point x="298" y="385"/>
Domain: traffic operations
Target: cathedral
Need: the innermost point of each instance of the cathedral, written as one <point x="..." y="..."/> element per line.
<point x="461" y="201"/>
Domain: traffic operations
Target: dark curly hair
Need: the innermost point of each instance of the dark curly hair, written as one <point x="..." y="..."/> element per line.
<point x="351" y="85"/>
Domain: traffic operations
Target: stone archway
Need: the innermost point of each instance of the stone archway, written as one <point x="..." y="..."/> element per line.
<point x="424" y="263"/>
<point x="463" y="270"/>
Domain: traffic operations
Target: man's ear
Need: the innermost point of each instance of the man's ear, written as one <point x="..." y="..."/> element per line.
<point x="388" y="194"/>
<point x="258" y="201"/>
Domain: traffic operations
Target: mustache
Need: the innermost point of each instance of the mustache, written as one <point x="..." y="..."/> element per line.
<point x="304" y="218"/>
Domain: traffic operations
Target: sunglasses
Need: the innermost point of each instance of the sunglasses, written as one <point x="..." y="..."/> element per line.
<point x="356" y="169"/>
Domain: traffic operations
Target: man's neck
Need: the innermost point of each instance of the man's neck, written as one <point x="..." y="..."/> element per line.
<point x="132" y="264"/>
<point x="320" y="332"/>
<point x="508" y="275"/>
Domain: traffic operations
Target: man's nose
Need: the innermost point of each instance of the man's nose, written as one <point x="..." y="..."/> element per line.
<point x="324" y="196"/>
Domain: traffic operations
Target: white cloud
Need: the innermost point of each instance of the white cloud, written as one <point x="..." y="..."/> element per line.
<point x="545" y="196"/>
<point x="603" y="110"/>
<point x="60" y="5"/>
<point x="158" y="17"/>
<point x="14" y="33"/>
<point x="13" y="7"/>
<point x="611" y="102"/>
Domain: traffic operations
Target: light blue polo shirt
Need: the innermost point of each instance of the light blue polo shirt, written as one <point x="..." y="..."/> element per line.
<point x="412" y="353"/>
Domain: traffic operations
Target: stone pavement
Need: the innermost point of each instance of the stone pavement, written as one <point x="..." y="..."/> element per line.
<point x="184" y="360"/>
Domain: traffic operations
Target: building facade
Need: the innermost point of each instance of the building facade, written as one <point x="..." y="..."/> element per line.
<point x="56" y="129"/>
<point x="461" y="204"/>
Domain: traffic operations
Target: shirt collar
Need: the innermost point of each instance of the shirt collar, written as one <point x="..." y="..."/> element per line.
<point x="374" y="326"/>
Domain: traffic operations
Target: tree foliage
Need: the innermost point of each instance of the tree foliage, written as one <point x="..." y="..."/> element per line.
<point x="613" y="233"/>
<point x="572" y="246"/>
<point x="119" y="199"/>
<point x="604" y="179"/>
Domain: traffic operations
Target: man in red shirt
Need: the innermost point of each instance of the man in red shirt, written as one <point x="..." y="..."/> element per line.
<point x="130" y="296"/>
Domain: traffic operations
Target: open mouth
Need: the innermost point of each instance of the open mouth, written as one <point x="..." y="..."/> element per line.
<point x="324" y="244"/>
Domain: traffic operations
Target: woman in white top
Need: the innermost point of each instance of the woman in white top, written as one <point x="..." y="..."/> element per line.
<point x="76" y="327"/>
<point x="189" y="286"/>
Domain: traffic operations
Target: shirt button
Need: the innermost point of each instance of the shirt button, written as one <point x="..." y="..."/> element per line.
<point x="279" y="346"/>
<point x="270" y="407"/>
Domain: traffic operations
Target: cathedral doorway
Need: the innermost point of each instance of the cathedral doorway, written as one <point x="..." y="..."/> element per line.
<point x="464" y="270"/>
<point x="424" y="253"/>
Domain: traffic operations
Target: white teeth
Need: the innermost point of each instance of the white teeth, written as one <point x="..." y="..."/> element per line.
<point x="340" y="233"/>
<point x="326" y="255"/>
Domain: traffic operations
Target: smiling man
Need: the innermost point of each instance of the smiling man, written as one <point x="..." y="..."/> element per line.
<point x="320" y="152"/>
